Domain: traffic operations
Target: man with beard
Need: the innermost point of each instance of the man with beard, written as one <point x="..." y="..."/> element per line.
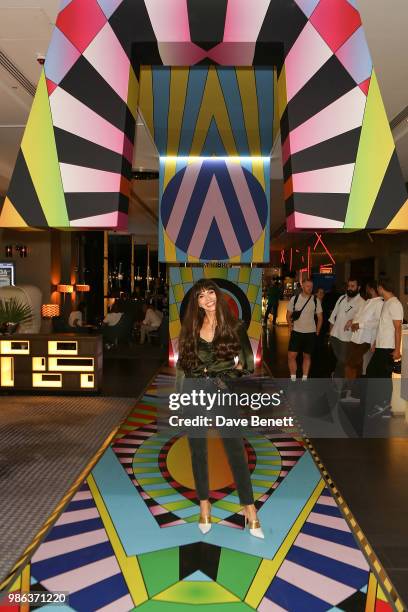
<point x="341" y="321"/>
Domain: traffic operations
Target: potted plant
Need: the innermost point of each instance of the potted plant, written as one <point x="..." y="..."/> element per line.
<point x="12" y="314"/>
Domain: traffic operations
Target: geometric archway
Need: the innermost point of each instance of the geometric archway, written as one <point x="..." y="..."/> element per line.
<point x="340" y="166"/>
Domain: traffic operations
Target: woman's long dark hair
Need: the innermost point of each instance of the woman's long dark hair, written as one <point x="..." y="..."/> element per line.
<point x="225" y="342"/>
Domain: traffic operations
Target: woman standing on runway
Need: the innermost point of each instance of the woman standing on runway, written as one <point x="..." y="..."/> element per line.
<point x="214" y="348"/>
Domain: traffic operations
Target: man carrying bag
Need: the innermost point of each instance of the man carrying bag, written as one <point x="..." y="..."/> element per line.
<point x="305" y="318"/>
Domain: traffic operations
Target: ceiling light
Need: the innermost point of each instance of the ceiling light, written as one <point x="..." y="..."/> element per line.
<point x="232" y="158"/>
<point x="145" y="175"/>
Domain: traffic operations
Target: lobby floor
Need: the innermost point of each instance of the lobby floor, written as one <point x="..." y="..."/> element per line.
<point x="129" y="537"/>
<point x="46" y="443"/>
<point x="127" y="369"/>
<point x="48" y="440"/>
<point x="370" y="473"/>
<point x="372" y="476"/>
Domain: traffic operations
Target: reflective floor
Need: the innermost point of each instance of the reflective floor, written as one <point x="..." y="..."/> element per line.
<point x="371" y="474"/>
<point x="275" y="354"/>
<point x="128" y="368"/>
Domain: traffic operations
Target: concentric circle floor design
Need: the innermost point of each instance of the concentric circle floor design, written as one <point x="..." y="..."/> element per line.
<point x="173" y="460"/>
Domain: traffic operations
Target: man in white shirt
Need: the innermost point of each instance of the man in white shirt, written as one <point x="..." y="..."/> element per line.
<point x="364" y="331"/>
<point x="387" y="347"/>
<point x="340" y="321"/>
<point x="151" y="322"/>
<point x="112" y="318"/>
<point x="305" y="317"/>
<point x="76" y="317"/>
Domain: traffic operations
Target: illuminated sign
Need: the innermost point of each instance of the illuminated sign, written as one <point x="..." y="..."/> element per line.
<point x="7" y="274"/>
<point x="326" y="269"/>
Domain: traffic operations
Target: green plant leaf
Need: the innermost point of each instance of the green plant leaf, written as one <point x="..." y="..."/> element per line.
<point x="14" y="311"/>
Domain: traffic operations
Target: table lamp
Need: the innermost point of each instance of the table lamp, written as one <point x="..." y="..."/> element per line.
<point x="49" y="311"/>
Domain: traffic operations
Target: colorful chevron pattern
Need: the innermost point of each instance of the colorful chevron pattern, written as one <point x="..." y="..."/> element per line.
<point x="241" y="286"/>
<point x="215" y="210"/>
<point x="110" y="552"/>
<point x="209" y="110"/>
<point x="340" y="165"/>
<point x="336" y="171"/>
<point x="215" y="112"/>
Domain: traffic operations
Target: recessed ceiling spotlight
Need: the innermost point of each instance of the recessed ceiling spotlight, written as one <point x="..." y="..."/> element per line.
<point x="145" y="175"/>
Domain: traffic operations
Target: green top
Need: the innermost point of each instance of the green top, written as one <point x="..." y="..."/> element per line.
<point x="209" y="365"/>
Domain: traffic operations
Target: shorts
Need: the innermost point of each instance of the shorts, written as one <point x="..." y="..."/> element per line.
<point x="355" y="354"/>
<point x="302" y="343"/>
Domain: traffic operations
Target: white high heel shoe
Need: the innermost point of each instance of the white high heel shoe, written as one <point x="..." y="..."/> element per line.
<point x="254" y="528"/>
<point x="204" y="523"/>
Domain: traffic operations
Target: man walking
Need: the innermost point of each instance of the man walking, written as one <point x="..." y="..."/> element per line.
<point x="364" y="328"/>
<point x="387" y="347"/>
<point x="341" y="320"/>
<point x="300" y="315"/>
<point x="273" y="296"/>
<point x="364" y="331"/>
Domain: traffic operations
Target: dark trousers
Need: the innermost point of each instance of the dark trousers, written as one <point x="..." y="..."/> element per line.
<point x="381" y="364"/>
<point x="339" y="348"/>
<point x="272" y="308"/>
<point x="378" y="393"/>
<point x="234" y="447"/>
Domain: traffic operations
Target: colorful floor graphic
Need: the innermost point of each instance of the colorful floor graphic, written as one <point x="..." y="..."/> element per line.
<point x="129" y="539"/>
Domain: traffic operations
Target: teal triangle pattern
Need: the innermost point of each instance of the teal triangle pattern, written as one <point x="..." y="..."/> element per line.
<point x="198" y="576"/>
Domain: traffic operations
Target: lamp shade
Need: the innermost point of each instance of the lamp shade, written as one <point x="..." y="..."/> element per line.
<point x="48" y="311"/>
<point x="65" y="288"/>
<point x="82" y="288"/>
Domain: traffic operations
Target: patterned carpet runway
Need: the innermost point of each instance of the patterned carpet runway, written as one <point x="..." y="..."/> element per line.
<point x="129" y="538"/>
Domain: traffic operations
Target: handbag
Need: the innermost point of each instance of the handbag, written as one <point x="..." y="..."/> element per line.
<point x="297" y="313"/>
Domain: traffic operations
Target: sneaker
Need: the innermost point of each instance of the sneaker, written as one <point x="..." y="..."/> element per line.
<point x="383" y="410"/>
<point x="349" y="399"/>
